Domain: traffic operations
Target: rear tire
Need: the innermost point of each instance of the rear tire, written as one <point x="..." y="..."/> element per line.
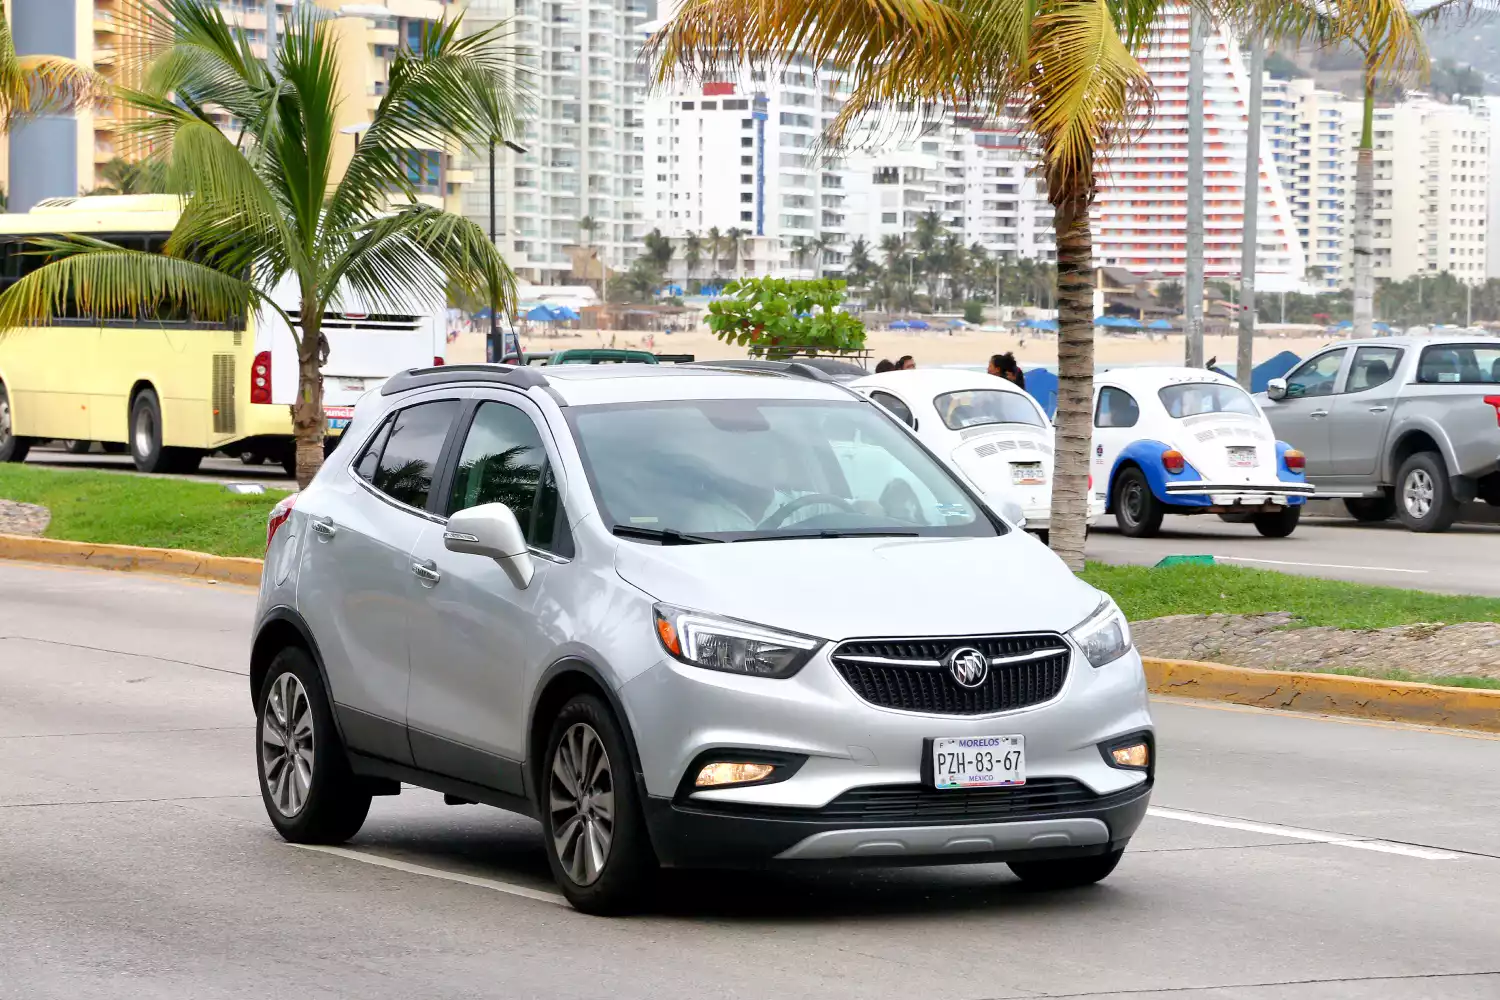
<point x="310" y="794"/>
<point x="77" y="447"/>
<point x="1066" y="873"/>
<point x="1424" y="500"/>
<point x="596" y="840"/>
<point x="1137" y="511"/>
<point x="12" y="448"/>
<point x="146" y="448"/>
<point x="1369" y="510"/>
<point x="1280" y="524"/>
<point x="252" y="458"/>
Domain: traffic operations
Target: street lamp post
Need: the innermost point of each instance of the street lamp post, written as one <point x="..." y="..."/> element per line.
<point x="494" y="348"/>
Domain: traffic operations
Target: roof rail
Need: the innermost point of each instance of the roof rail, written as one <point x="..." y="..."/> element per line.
<point x="414" y="378"/>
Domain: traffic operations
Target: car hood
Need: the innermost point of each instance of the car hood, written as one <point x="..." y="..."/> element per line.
<point x="838" y="588"/>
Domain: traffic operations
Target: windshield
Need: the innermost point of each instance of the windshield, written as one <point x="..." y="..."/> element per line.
<point x="1188" y="399"/>
<point x="986" y="406"/>
<point x="743" y="469"/>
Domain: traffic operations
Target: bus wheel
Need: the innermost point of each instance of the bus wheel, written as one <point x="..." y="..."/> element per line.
<point x="146" y="449"/>
<point x="77" y="447"/>
<point x="12" y="448"/>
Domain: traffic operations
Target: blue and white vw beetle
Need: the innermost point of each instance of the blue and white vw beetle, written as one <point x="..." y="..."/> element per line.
<point x="1190" y="441"/>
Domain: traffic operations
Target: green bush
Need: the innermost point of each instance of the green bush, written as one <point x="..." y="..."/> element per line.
<point x="974" y="311"/>
<point x="777" y="317"/>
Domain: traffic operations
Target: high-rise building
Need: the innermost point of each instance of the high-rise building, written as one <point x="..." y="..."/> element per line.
<point x="1455" y="188"/>
<point x="1304" y="129"/>
<point x="585" y="155"/>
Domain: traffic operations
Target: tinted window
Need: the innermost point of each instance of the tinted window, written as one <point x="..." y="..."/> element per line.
<point x="1315" y="377"/>
<point x="1188" y="399"/>
<point x="901" y="411"/>
<point x="1467" y="363"/>
<point x="976" y="407"/>
<point x="1373" y="366"/>
<point x="503" y="461"/>
<point x="411" y="451"/>
<point x="1117" y="408"/>
<point x="370" y="460"/>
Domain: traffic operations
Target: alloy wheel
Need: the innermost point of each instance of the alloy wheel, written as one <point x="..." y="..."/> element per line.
<point x="581" y="803"/>
<point x="4" y="419"/>
<point x="1418" y="493"/>
<point x="286" y="744"/>
<point x="145" y="432"/>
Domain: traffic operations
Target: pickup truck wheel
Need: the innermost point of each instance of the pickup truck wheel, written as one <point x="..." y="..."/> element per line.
<point x="1370" y="509"/>
<point x="1279" y="524"/>
<point x="1137" y="511"/>
<point x="1424" y="501"/>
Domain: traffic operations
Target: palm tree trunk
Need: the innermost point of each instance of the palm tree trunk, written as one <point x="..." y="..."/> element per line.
<point x="307" y="411"/>
<point x="1364" y="207"/>
<point x="1075" y="377"/>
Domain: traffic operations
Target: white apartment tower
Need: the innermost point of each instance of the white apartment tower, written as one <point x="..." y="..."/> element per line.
<point x="585" y="152"/>
<point x="1455" y="189"/>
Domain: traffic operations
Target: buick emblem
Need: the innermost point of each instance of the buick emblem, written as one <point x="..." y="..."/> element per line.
<point x="969" y="667"/>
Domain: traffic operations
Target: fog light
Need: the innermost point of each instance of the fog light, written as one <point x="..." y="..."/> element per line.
<point x="1134" y="755"/>
<point x="728" y="773"/>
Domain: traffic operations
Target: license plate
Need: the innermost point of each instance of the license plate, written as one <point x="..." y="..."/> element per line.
<point x="1241" y="458"/>
<point x="978" y="761"/>
<point x="1027" y="474"/>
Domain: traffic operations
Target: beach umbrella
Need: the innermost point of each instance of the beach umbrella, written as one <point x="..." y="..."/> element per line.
<point x="900" y="324"/>
<point x="564" y="312"/>
<point x="920" y="324"/>
<point x="541" y="314"/>
<point x="1159" y="324"/>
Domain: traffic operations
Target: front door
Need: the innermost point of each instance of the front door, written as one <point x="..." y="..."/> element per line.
<point x="356" y="589"/>
<point x="1116" y="413"/>
<point x="1357" y="430"/>
<point x="1302" y="418"/>
<point x="477" y="637"/>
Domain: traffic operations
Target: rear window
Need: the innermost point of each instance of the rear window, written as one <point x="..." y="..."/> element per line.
<point x="1473" y="364"/>
<point x="977" y="407"/>
<point x="409" y="451"/>
<point x="1189" y="399"/>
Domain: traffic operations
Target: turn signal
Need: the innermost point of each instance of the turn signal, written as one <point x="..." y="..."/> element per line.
<point x="1295" y="460"/>
<point x="1135" y="755"/>
<point x="1173" y="461"/>
<point x="726" y="773"/>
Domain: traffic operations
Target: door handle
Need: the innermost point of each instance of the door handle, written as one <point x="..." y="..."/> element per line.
<point x="1318" y="414"/>
<point x="325" y="526"/>
<point x="427" y="571"/>
<point x="1379" y="409"/>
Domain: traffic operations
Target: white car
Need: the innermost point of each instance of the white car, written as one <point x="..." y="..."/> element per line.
<point x="1190" y="441"/>
<point x="987" y="428"/>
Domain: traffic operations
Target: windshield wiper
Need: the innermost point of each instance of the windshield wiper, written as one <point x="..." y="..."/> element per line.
<point x="834" y="533"/>
<point x="666" y="536"/>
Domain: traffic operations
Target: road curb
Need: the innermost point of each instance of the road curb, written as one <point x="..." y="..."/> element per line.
<point x="131" y="558"/>
<point x="1328" y="694"/>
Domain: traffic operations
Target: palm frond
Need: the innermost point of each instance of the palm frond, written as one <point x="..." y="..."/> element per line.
<point x="35" y="85"/>
<point x="193" y="53"/>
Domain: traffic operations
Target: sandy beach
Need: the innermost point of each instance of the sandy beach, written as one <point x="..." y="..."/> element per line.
<point x="928" y="347"/>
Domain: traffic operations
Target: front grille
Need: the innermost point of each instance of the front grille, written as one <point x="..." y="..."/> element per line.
<point x="925" y="686"/>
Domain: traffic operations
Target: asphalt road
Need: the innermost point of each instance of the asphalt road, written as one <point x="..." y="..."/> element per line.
<point x="1288" y="858"/>
<point x="1459" y="561"/>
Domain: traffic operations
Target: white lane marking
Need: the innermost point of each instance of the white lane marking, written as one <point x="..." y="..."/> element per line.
<point x="1283" y="562"/>
<point x="404" y="866"/>
<point x="1296" y="833"/>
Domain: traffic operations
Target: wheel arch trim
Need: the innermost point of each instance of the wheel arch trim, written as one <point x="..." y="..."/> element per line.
<point x="262" y="652"/>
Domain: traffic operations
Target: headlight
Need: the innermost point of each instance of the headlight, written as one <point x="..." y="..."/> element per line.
<point x="1104" y="635"/>
<point x="732" y="646"/>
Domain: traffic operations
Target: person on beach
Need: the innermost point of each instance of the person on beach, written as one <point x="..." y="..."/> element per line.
<point x="1004" y="365"/>
<point x="885" y="365"/>
<point x="906" y="363"/>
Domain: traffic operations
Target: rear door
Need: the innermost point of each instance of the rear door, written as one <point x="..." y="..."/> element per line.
<point x="1357" y="428"/>
<point x="1302" y="418"/>
<point x="356" y="586"/>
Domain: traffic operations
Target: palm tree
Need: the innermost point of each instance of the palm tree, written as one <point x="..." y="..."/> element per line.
<point x="799" y="248"/>
<point x="692" y="253"/>
<point x="121" y="176"/>
<point x="715" y="247"/>
<point x="733" y="245"/>
<point x="270" y="206"/>
<point x="1065" y="67"/>
<point x="590" y="226"/>
<point x="36" y="85"/>
<point x="861" y="266"/>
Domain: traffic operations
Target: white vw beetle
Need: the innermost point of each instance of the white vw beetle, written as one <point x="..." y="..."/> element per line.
<point x="987" y="428"/>
<point x="1190" y="441"/>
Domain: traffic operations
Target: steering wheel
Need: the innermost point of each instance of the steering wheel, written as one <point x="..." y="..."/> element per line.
<point x="778" y="516"/>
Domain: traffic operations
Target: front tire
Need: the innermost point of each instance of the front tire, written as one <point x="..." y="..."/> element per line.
<point x="12" y="448"/>
<point x="1424" y="500"/>
<point x="1137" y="511"/>
<point x="1066" y="873"/>
<point x="1369" y="510"/>
<point x="592" y="821"/>
<point x="1279" y="524"/>
<point x="309" y="792"/>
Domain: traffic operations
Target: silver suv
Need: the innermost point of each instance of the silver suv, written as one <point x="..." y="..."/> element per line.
<point x="687" y="617"/>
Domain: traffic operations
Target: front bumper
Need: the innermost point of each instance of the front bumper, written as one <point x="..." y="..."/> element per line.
<point x="690" y="834"/>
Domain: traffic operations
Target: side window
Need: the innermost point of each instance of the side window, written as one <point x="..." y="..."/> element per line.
<point x="1373" y="366"/>
<point x="1467" y="363"/>
<point x="370" y="459"/>
<point x="503" y="461"/>
<point x="410" y="452"/>
<point x="1117" y="408"/>
<point x="900" y="410"/>
<point x="1315" y="377"/>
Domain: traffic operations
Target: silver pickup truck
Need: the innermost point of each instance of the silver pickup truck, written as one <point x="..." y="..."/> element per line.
<point x="1398" y="425"/>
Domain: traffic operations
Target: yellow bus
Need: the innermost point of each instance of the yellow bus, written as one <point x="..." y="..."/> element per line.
<point x="171" y="390"/>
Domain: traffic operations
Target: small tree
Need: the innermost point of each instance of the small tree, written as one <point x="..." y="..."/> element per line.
<point x="777" y="318"/>
<point x="973" y="311"/>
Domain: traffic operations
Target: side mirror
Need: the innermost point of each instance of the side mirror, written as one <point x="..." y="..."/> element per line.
<point x="1276" y="388"/>
<point x="491" y="529"/>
